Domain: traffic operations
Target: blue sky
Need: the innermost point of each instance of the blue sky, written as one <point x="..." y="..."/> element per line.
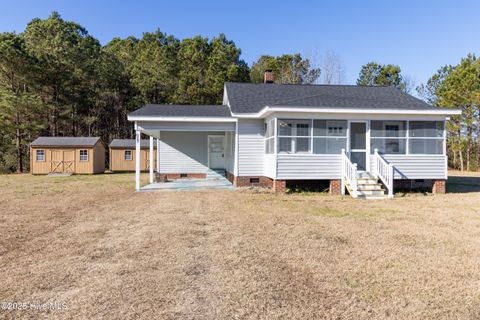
<point x="419" y="36"/>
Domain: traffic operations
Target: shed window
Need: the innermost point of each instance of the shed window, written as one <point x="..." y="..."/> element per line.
<point x="128" y="155"/>
<point x="40" y="155"/>
<point x="83" y="155"/>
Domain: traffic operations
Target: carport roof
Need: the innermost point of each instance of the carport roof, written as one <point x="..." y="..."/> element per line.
<point x="170" y="110"/>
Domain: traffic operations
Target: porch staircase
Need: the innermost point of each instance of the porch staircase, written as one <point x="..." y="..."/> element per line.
<point x="368" y="187"/>
<point x="215" y="174"/>
<point x="364" y="184"/>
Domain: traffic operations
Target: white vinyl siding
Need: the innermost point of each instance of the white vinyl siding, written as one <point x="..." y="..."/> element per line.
<point x="229" y="151"/>
<point x="184" y="152"/>
<point x="251" y="147"/>
<point x="269" y="166"/>
<point x="418" y="166"/>
<point x="306" y="167"/>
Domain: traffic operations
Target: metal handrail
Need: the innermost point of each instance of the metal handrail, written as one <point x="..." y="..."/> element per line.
<point x="349" y="173"/>
<point x="384" y="171"/>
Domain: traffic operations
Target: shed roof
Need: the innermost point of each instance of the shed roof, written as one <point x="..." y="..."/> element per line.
<point x="251" y="98"/>
<point x="129" y="143"/>
<point x="169" y="110"/>
<point x="65" y="141"/>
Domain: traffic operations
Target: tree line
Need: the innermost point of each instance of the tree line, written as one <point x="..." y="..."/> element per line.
<point x="58" y="80"/>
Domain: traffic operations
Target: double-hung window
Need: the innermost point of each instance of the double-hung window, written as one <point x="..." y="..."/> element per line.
<point x="83" y="155"/>
<point x="389" y="137"/>
<point x="270" y="137"/>
<point x="426" y="137"/>
<point x="329" y="136"/>
<point x="294" y="136"/>
<point x="128" y="155"/>
<point x="40" y="155"/>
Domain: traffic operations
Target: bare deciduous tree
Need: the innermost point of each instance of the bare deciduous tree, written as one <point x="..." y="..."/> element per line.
<point x="332" y="68"/>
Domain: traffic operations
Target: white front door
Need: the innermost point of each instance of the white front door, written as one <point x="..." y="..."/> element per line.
<point x="216" y="152"/>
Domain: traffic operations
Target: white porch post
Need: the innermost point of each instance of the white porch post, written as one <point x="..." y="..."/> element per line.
<point x="137" y="160"/>
<point x="158" y="153"/>
<point x="151" y="162"/>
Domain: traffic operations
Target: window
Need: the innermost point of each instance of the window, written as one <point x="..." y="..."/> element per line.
<point x="389" y="137"/>
<point x="128" y="155"/>
<point x="329" y="136"/>
<point x="270" y="137"/>
<point x="83" y="155"/>
<point x="294" y="136"/>
<point x="426" y="137"/>
<point x="40" y="155"/>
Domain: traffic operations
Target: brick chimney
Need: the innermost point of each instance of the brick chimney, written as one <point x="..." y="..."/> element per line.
<point x="268" y="76"/>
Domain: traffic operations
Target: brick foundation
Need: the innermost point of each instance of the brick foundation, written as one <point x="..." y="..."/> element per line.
<point x="335" y="187"/>
<point x="439" y="186"/>
<point x="161" y="177"/>
<point x="279" y="186"/>
<point x="249" y="181"/>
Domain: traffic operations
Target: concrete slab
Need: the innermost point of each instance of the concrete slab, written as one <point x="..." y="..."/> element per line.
<point x="189" y="185"/>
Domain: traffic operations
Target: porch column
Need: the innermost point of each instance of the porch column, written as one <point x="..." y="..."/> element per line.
<point x="137" y="160"/>
<point x="151" y="163"/>
<point x="158" y="154"/>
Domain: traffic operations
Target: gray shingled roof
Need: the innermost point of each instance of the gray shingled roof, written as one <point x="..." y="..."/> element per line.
<point x="65" y="141"/>
<point x="251" y="98"/>
<point x="168" y="110"/>
<point x="130" y="143"/>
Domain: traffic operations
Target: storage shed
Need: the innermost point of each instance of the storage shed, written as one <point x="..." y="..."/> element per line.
<point x="122" y="155"/>
<point x="83" y="155"/>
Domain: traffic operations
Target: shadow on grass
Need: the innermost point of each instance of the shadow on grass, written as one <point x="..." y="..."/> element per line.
<point x="463" y="184"/>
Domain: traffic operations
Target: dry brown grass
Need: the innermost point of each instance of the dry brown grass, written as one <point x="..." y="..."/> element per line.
<point x="107" y="252"/>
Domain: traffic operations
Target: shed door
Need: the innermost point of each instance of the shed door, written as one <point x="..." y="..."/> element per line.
<point x="69" y="161"/>
<point x="57" y="161"/>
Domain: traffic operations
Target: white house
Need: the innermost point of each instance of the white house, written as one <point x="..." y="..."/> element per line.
<point x="366" y="140"/>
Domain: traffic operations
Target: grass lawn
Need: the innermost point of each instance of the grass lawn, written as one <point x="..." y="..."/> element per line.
<point x="103" y="251"/>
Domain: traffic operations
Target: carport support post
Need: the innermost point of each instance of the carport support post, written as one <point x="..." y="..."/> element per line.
<point x="137" y="160"/>
<point x="158" y="154"/>
<point x="152" y="164"/>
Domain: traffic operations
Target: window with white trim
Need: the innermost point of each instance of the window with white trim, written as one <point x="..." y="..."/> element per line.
<point x="389" y="137"/>
<point x="128" y="155"/>
<point x="329" y="136"/>
<point x="294" y="136"/>
<point x="426" y="137"/>
<point x="40" y="155"/>
<point x="83" y="155"/>
<point x="270" y="137"/>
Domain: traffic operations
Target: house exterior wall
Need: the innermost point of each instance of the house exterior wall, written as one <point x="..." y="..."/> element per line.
<point x="94" y="164"/>
<point x="184" y="152"/>
<point x="269" y="166"/>
<point x="417" y="166"/>
<point x="308" y="167"/>
<point x="251" y="147"/>
<point x="229" y="151"/>
<point x="118" y="162"/>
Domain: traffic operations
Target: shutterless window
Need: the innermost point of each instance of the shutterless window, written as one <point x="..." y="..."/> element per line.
<point x="389" y="137"/>
<point x="270" y="137"/>
<point x="40" y="155"/>
<point x="294" y="136"/>
<point x="426" y="137"/>
<point x="128" y="155"/>
<point x="329" y="136"/>
<point x="83" y="155"/>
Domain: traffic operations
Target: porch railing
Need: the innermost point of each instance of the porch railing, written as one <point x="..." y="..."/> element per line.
<point x="384" y="171"/>
<point x="349" y="174"/>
